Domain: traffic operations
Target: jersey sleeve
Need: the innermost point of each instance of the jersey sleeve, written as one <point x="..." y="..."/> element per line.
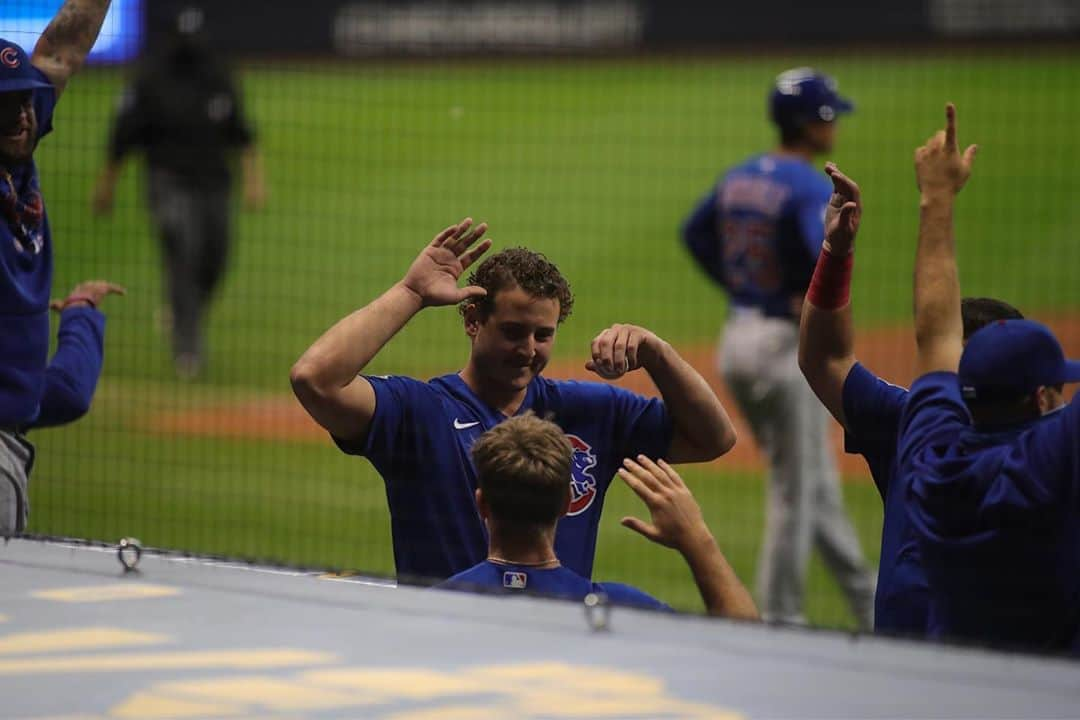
<point x="627" y="595"/>
<point x="872" y="409"/>
<point x="72" y="375"/>
<point x="934" y="415"/>
<point x="642" y="425"/>
<point x="237" y="130"/>
<point x="702" y="237"/>
<point x="132" y="123"/>
<point x="402" y="410"/>
<point x="810" y="216"/>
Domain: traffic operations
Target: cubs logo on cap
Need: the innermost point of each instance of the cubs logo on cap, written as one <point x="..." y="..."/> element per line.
<point x="16" y="71"/>
<point x="583" y="486"/>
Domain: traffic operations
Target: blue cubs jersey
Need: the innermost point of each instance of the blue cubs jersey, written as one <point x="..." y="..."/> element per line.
<point x="872" y="409"/>
<point x="759" y="231"/>
<point x="420" y="440"/>
<point x="997" y="517"/>
<point x="26" y="269"/>
<point x="552" y="582"/>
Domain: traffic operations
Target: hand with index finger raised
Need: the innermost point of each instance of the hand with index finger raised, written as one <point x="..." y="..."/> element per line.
<point x="940" y="168"/>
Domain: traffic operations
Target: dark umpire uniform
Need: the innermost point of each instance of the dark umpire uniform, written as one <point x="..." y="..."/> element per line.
<point x="183" y="111"/>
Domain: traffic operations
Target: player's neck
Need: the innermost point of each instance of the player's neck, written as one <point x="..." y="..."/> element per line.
<point x="796" y="151"/>
<point x="532" y="549"/>
<point x="506" y="402"/>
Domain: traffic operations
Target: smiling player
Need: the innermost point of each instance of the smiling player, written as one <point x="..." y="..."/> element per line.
<point x="34" y="391"/>
<point x="418" y="435"/>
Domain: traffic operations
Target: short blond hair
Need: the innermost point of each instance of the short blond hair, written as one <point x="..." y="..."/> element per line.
<point x="523" y="466"/>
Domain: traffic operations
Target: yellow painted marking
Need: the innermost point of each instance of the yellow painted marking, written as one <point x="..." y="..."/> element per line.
<point x="412" y="683"/>
<point x="461" y="712"/>
<point x="232" y="659"/>
<point x="277" y="693"/>
<point x="91" y="638"/>
<point x="526" y="691"/>
<point x="106" y="593"/>
<point x="152" y="705"/>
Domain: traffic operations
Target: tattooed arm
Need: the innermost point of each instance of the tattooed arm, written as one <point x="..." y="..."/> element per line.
<point x="67" y="40"/>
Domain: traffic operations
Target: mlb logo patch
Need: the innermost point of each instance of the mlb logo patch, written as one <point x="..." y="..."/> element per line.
<point x="515" y="580"/>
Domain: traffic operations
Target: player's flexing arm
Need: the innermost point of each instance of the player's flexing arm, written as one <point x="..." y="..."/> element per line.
<point x="63" y="46"/>
<point x="677" y="523"/>
<point x="826" y="331"/>
<point x="941" y="172"/>
<point x="703" y="430"/>
<point x="326" y="378"/>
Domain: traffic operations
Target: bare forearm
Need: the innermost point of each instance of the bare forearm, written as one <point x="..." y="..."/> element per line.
<point x="66" y="41"/>
<point x="344" y="350"/>
<point x="696" y="412"/>
<point x="721" y="590"/>
<point x="827" y="353"/>
<point x="937" y="284"/>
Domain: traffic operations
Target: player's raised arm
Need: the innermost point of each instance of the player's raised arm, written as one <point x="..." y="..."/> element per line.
<point x="677" y="523"/>
<point x="326" y="377"/>
<point x="703" y="430"/>
<point x="826" y="331"/>
<point x="63" y="46"/>
<point x="941" y="172"/>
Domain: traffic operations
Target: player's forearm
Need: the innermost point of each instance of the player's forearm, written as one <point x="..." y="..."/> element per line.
<point x="938" y="324"/>
<point x="344" y="350"/>
<point x="697" y="414"/>
<point x="66" y="41"/>
<point x="721" y="590"/>
<point x="827" y="353"/>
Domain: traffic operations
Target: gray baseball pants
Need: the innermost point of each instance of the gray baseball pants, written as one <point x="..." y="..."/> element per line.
<point x="758" y="359"/>
<point x="16" y="460"/>
<point x="193" y="221"/>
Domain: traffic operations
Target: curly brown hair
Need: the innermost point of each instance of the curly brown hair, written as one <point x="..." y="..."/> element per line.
<point x="529" y="270"/>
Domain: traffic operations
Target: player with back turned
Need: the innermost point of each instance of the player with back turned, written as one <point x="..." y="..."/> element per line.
<point x="757" y="234"/>
<point x="35" y="392"/>
<point x="418" y="434"/>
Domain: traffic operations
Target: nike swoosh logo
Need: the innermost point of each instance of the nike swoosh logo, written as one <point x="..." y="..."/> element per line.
<point x="458" y="425"/>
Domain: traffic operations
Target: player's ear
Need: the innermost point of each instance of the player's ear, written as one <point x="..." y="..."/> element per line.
<point x="473" y="319"/>
<point x="1044" y="397"/>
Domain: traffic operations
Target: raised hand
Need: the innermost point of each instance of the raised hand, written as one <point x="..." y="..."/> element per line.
<point x="433" y="275"/>
<point x="843" y="213"/>
<point x="939" y="166"/>
<point x="620" y="349"/>
<point x="677" y="521"/>
<point x="89" y="293"/>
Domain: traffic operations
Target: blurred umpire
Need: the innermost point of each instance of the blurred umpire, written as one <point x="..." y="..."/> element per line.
<point x="184" y="112"/>
<point x="757" y="233"/>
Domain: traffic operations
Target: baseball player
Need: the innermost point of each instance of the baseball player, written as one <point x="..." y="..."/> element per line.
<point x="184" y="111"/>
<point x="33" y="390"/>
<point x="418" y="434"/>
<point x="757" y="234"/>
<point x="989" y="465"/>
<point x="868" y="407"/>
<point x="522" y="465"/>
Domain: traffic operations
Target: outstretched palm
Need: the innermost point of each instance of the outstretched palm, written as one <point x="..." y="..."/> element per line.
<point x="435" y="272"/>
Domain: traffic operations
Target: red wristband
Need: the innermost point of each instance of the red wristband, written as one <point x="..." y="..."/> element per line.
<point x="830" y="288"/>
<point x="71" y="299"/>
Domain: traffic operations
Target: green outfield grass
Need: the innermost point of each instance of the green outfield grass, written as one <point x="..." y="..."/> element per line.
<point x="595" y="163"/>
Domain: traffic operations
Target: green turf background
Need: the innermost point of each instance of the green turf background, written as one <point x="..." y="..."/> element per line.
<point x="592" y="162"/>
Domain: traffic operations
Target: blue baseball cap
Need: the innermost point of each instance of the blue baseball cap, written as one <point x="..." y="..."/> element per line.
<point x="803" y="95"/>
<point x="16" y="72"/>
<point x="1011" y="358"/>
